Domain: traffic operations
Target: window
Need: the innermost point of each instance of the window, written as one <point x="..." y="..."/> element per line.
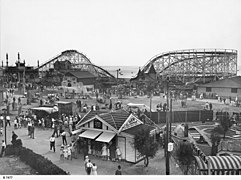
<point x="208" y="89"/>
<point x="73" y="79"/>
<point x="88" y="124"/>
<point x="97" y="124"/>
<point x="234" y="90"/>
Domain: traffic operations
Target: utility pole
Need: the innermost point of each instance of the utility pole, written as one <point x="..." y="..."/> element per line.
<point x="170" y="122"/>
<point x="150" y="103"/>
<point x="5" y="125"/>
<point x="117" y="75"/>
<point x="167" y="130"/>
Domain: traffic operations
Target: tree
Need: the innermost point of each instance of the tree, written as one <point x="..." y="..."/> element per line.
<point x="184" y="155"/>
<point x="145" y="145"/>
<point x="215" y="139"/>
<point x="225" y="123"/>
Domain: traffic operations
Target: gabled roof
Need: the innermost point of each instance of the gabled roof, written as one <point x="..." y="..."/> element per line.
<point x="152" y="70"/>
<point x="88" y="116"/>
<point x="114" y="119"/>
<point x="233" y="82"/>
<point x="80" y="74"/>
<point x="135" y="129"/>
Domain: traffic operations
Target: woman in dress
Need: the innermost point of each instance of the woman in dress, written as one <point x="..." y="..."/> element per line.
<point x="94" y="169"/>
<point x="104" y="152"/>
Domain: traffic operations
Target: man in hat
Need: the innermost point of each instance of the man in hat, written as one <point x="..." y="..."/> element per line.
<point x="8" y="121"/>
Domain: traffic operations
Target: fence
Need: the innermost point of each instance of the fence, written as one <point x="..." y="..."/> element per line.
<point x="182" y="116"/>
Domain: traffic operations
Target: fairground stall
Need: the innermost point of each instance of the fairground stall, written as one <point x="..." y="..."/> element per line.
<point x="67" y="108"/>
<point x="218" y="165"/>
<point x="101" y="134"/>
<point x="47" y="113"/>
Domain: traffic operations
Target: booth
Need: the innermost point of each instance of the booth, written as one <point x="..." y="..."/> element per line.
<point x="65" y="107"/>
<point x="47" y="113"/>
<point x="102" y="133"/>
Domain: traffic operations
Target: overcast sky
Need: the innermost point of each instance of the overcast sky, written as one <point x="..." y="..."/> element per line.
<point x="116" y="32"/>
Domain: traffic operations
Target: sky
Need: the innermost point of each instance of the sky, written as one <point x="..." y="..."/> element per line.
<point x="116" y="32"/>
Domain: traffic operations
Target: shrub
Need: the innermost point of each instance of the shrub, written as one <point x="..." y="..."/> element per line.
<point x="41" y="164"/>
<point x="18" y="143"/>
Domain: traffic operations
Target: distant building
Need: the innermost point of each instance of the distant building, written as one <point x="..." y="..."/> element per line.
<point x="79" y="78"/>
<point x="230" y="87"/>
<point x="19" y="75"/>
<point x="148" y="76"/>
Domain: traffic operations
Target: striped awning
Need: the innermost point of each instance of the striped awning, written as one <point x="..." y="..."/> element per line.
<point x="219" y="163"/>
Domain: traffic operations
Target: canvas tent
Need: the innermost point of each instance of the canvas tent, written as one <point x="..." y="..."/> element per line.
<point x="219" y="165"/>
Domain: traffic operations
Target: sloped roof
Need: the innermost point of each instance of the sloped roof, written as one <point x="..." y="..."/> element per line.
<point x="115" y="118"/>
<point x="234" y="82"/>
<point x="135" y="129"/>
<point x="88" y="116"/>
<point x="80" y="74"/>
<point x="152" y="70"/>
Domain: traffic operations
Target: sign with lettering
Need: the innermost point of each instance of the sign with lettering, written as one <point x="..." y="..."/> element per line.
<point x="131" y="122"/>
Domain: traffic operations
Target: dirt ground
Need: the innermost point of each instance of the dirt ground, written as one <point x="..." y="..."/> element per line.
<point x="13" y="166"/>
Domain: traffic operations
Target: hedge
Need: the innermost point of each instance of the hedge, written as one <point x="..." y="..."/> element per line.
<point x="41" y="164"/>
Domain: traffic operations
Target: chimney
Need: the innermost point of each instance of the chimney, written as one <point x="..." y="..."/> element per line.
<point x="6" y="59"/>
<point x="2" y="63"/>
<point x="18" y="57"/>
<point x="38" y="63"/>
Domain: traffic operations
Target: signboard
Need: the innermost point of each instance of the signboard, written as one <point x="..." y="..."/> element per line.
<point x="131" y="122"/>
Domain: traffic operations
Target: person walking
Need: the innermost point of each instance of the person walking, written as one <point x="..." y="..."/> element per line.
<point x="29" y="127"/>
<point x="86" y="161"/>
<point x="118" y="171"/>
<point x="210" y="106"/>
<point x="52" y="143"/>
<point x="55" y="130"/>
<point x="64" y="138"/>
<point x="8" y="121"/>
<point x="32" y="128"/>
<point x="89" y="166"/>
<point x="94" y="169"/>
<point x="3" y="148"/>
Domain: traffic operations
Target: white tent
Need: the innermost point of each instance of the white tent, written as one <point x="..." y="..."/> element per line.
<point x="140" y="106"/>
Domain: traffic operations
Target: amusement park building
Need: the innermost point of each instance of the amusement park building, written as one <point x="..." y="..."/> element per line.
<point x="79" y="78"/>
<point x="230" y="87"/>
<point x="115" y="129"/>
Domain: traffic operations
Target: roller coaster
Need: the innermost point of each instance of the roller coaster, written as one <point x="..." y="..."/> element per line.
<point x="53" y="70"/>
<point x="71" y="60"/>
<point x="194" y="65"/>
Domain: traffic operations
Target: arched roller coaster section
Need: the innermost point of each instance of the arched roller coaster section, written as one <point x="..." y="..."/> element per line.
<point x="71" y="60"/>
<point x="195" y="64"/>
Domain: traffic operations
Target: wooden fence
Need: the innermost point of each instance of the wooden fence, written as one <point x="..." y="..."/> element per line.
<point x="182" y="116"/>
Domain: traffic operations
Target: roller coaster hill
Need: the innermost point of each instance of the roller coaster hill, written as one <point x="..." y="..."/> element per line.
<point x="185" y="69"/>
<point x="52" y="71"/>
